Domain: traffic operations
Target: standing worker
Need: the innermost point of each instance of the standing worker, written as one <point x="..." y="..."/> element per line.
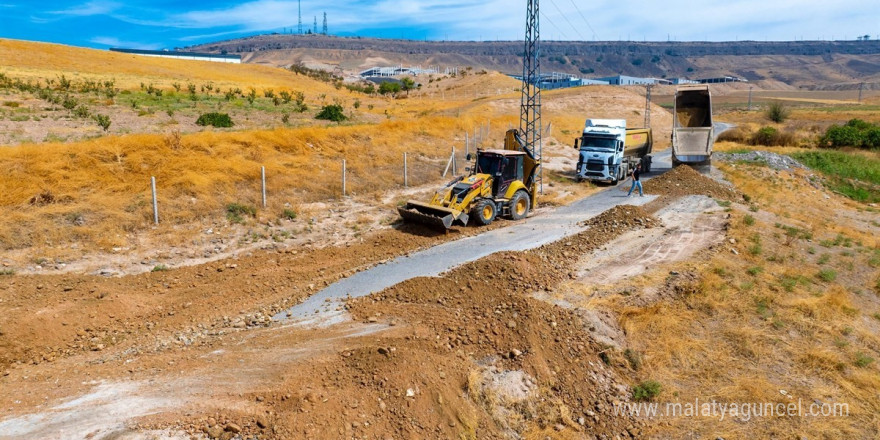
<point x="635" y="177"/>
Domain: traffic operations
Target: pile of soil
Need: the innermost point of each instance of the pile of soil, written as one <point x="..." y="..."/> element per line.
<point x="684" y="180"/>
<point x="483" y="313"/>
<point x="627" y="216"/>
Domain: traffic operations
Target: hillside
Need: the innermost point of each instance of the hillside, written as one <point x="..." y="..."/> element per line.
<point x="801" y="63"/>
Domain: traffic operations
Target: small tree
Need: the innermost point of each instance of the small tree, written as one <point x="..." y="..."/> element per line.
<point x="103" y="121"/>
<point x="407" y="84"/>
<point x="389" y="87"/>
<point x="331" y="112"/>
<point x="777" y="112"/>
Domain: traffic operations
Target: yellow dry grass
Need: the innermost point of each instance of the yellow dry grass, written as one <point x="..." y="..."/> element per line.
<point x="32" y="60"/>
<point x="105" y="182"/>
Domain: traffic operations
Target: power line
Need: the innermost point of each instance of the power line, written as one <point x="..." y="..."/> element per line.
<point x="567" y="20"/>
<point x="585" y="18"/>
<point x="554" y="25"/>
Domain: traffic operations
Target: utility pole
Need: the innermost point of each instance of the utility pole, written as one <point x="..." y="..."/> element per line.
<point x="325" y="24"/>
<point x="530" y="102"/>
<point x="750" y="98"/>
<point x="648" y="105"/>
<point x="300" y="15"/>
<point x="315" y="28"/>
<point x="861" y="86"/>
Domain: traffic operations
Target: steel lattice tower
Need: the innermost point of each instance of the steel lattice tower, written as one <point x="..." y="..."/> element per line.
<point x="648" y="106"/>
<point x="300" y="15"/>
<point x="324" y="31"/>
<point x="530" y="104"/>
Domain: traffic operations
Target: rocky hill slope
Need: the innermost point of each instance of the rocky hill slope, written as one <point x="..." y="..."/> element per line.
<point x="801" y="63"/>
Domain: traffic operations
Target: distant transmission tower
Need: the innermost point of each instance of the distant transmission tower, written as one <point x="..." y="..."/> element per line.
<point x="300" y="15"/>
<point x="315" y="27"/>
<point x="325" y="24"/>
<point x="648" y="105"/>
<point x="530" y="103"/>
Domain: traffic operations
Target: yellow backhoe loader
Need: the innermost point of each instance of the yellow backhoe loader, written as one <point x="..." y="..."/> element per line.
<point x="501" y="183"/>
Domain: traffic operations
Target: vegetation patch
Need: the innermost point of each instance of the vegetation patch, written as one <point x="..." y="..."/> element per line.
<point x="855" y="133"/>
<point x="646" y="390"/>
<point x="236" y="212"/>
<point x="219" y="120"/>
<point x="332" y="112"/>
<point x="852" y="175"/>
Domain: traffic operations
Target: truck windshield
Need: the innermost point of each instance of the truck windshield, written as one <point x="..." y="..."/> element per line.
<point x="593" y="143"/>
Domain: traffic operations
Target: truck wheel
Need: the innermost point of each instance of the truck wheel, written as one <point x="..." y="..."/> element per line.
<point x="483" y="212"/>
<point x="519" y="205"/>
<point x="646" y="164"/>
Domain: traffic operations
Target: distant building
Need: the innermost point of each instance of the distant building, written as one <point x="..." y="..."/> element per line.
<point x="622" y="80"/>
<point x="217" y="58"/>
<point x="680" y="81"/>
<point x="723" y="79"/>
<point x="394" y="71"/>
<point x="557" y="80"/>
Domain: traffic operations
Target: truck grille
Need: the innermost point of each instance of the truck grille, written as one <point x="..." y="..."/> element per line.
<point x="595" y="165"/>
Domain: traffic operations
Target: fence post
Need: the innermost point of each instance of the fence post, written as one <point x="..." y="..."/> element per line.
<point x="343" y="177"/>
<point x="453" y="161"/>
<point x="155" y="202"/>
<point x="263" y="179"/>
<point x="405" y="179"/>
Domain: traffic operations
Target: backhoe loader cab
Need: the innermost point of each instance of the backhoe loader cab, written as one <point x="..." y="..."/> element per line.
<point x="500" y="183"/>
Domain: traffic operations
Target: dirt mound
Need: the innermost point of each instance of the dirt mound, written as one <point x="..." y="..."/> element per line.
<point x="684" y="180"/>
<point x="484" y="312"/>
<point x="626" y="216"/>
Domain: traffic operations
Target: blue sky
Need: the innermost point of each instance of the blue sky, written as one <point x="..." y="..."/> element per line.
<point x="167" y="24"/>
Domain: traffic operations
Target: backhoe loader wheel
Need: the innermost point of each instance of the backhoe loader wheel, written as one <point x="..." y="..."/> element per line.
<point x="519" y="205"/>
<point x="483" y="212"/>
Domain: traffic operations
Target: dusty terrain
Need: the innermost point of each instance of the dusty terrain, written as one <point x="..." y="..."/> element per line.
<point x="752" y="283"/>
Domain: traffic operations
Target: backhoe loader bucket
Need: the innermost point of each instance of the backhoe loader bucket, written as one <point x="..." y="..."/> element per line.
<point x="437" y="217"/>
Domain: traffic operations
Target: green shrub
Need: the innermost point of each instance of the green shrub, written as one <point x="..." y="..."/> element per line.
<point x="159" y="268"/>
<point x="777" y="112"/>
<point x="748" y="220"/>
<point x="646" y="390"/>
<point x="863" y="360"/>
<point x="235" y="212"/>
<point x="103" y="121"/>
<point x="389" y="87"/>
<point x="7" y="271"/>
<point x="288" y="214"/>
<point x="331" y="112"/>
<point x="220" y="120"/>
<point x="827" y="275"/>
<point x="856" y="133"/>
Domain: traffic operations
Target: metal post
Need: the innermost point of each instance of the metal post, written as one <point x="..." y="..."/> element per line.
<point x="467" y="143"/>
<point x="263" y="179"/>
<point x="750" y="98"/>
<point x="453" y="161"/>
<point x="155" y="202"/>
<point x="861" y="86"/>
<point x="405" y="178"/>
<point x="343" y="177"/>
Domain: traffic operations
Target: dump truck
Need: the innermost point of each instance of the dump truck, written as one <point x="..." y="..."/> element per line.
<point x="609" y="150"/>
<point x="501" y="182"/>
<point x="693" y="134"/>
